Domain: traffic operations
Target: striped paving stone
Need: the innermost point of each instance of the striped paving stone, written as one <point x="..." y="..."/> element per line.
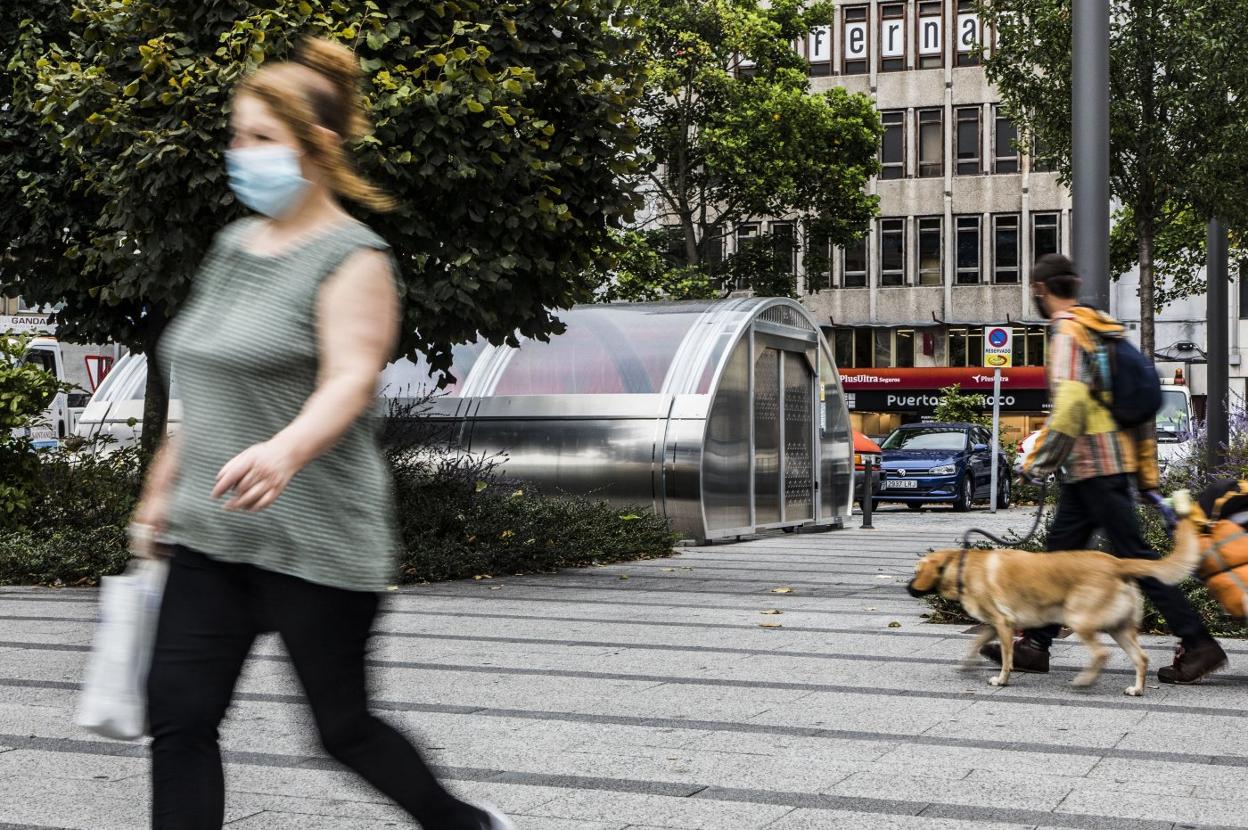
<point x="649" y="695"/>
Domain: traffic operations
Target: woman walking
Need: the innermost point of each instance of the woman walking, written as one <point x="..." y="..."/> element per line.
<point x="273" y="501"/>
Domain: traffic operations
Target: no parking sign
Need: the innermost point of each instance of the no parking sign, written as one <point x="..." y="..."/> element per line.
<point x="998" y="347"/>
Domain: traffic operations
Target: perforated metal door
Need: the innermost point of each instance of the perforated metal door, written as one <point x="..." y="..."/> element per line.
<point x="767" y="436"/>
<point x="799" y="397"/>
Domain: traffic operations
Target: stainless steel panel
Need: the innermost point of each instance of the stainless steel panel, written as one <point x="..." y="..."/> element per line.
<point x="799" y="402"/>
<point x="682" y="477"/>
<point x="726" y="446"/>
<point x="767" y="436"/>
<point x="609" y="459"/>
<point x="594" y="407"/>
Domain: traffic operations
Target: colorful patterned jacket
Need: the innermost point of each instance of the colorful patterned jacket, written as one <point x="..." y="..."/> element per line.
<point x="1080" y="435"/>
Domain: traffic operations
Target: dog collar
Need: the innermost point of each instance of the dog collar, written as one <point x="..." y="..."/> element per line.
<point x="961" y="571"/>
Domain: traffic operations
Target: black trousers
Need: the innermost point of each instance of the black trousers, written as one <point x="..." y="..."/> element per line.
<point x="1107" y="503"/>
<point x="211" y="613"/>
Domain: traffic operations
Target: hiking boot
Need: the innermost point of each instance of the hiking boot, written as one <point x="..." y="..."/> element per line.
<point x="1029" y="657"/>
<point x="1191" y="663"/>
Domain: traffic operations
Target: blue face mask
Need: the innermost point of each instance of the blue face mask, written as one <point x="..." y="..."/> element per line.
<point x="266" y="179"/>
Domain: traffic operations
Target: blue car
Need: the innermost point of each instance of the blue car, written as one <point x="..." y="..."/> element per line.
<point x="942" y="463"/>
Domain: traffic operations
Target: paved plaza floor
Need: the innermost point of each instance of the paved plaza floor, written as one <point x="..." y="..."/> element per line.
<point x="668" y="694"/>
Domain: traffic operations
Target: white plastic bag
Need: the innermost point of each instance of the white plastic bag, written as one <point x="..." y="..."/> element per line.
<point x="114" y="698"/>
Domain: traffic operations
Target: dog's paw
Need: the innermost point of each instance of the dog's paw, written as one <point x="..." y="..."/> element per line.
<point x="1181" y="502"/>
<point x="1133" y="691"/>
<point x="997" y="680"/>
<point x="1084" y="679"/>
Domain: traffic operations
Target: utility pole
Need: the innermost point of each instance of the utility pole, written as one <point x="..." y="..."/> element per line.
<point x="1218" y="347"/>
<point x="1090" y="148"/>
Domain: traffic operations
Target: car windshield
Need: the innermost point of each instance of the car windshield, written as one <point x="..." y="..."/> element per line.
<point x="926" y="439"/>
<point x="1173" y="417"/>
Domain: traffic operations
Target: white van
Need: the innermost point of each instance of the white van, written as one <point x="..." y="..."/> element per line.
<point x="1174" y="424"/>
<point x="62" y="413"/>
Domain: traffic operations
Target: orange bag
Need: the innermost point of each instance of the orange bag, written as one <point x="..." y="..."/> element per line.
<point x="1225" y="566"/>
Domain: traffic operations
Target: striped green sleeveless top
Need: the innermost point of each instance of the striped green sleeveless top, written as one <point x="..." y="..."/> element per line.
<point x="244" y="353"/>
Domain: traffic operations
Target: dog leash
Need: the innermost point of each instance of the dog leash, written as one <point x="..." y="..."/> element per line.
<point x="966" y="537"/>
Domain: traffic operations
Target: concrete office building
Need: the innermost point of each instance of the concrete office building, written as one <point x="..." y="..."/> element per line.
<point x="962" y="215"/>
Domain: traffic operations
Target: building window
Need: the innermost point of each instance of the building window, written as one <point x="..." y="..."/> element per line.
<point x="864" y="348"/>
<point x="965" y="347"/>
<point x="854" y="49"/>
<point x="1029" y="346"/>
<point x="968" y="250"/>
<point x="784" y="239"/>
<point x="892" y="37"/>
<point x="1005" y="146"/>
<point x="903" y="348"/>
<point x="1042" y="160"/>
<point x="843" y="347"/>
<point x="1005" y="253"/>
<point x="818" y="261"/>
<point x="1045" y="235"/>
<point x="854" y="269"/>
<point x="931" y="250"/>
<point x="931" y="140"/>
<point x="893" y="147"/>
<point x="968" y="143"/>
<point x="745" y="232"/>
<point x="968" y="33"/>
<point x="892" y="252"/>
<point x="930" y="35"/>
<point x="819" y="50"/>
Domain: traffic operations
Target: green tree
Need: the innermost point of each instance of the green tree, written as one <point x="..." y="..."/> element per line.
<point x="1177" y="130"/>
<point x="644" y="271"/>
<point x="503" y="128"/>
<point x="1179" y="264"/>
<point x="25" y="391"/>
<point x="723" y="140"/>
<point x="956" y="406"/>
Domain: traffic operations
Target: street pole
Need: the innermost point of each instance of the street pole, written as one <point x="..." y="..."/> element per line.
<point x="1090" y="148"/>
<point x="1216" y="425"/>
<point x="996" y="436"/>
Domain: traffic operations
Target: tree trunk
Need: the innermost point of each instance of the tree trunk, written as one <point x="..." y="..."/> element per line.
<point x="1147" y="313"/>
<point x="155" y="400"/>
<point x="692" y="256"/>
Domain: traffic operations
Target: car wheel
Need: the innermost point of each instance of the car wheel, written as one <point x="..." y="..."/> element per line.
<point x="1005" y="493"/>
<point x="915" y="505"/>
<point x="966" y="495"/>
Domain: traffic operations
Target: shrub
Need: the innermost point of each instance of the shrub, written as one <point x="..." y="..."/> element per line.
<point x="74" y="530"/>
<point x="458" y="517"/>
<point x="25" y="390"/>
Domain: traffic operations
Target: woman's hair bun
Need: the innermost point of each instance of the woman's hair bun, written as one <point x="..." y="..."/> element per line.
<point x="341" y="67"/>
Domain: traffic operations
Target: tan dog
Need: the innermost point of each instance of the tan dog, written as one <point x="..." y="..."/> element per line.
<point x="1087" y="591"/>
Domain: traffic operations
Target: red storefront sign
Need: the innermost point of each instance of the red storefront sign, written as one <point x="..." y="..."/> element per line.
<point x="938" y="377"/>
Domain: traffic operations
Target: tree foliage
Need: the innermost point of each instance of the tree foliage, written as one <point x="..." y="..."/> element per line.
<point x="723" y="140"/>
<point x="502" y="128"/>
<point x="956" y="406"/>
<point x="644" y="271"/>
<point x="1178" y="145"/>
<point x="1179" y="254"/>
<point x="25" y="391"/>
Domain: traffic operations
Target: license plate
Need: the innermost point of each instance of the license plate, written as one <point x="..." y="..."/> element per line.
<point x="901" y="483"/>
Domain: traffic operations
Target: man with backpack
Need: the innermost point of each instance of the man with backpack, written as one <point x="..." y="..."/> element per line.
<point x="1101" y="441"/>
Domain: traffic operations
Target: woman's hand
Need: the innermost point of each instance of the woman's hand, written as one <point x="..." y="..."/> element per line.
<point x="257" y="476"/>
<point x="146" y="523"/>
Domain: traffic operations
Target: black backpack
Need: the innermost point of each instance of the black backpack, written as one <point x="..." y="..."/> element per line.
<point x="1128" y="379"/>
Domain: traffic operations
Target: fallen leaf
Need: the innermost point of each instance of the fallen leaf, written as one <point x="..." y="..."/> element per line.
<point x="771" y="611"/>
<point x="782" y="590"/>
<point x="623" y="576"/>
<point x="668" y="570"/>
<point x="770" y="625"/>
<point x="894" y="624"/>
<point x="870" y="608"/>
<point x="496" y="587"/>
<point x="480" y="577"/>
<point x="883" y="576"/>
